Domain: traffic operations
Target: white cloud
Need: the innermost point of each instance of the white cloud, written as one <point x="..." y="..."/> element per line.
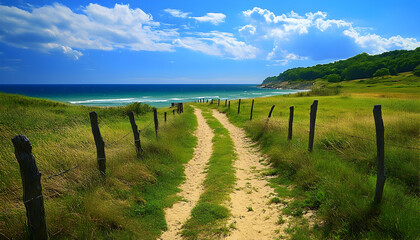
<point x="176" y="13"/>
<point x="315" y="29"/>
<point x="213" y="18"/>
<point x="247" y="30"/>
<point x="58" y="28"/>
<point x="218" y="44"/>
<point x="7" y="69"/>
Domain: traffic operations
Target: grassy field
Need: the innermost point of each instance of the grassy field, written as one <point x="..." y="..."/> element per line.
<point x="336" y="181"/>
<point x="128" y="203"/>
<point x="338" y="178"/>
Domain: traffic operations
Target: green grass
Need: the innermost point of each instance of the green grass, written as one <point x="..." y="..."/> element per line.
<point x="128" y="204"/>
<point x="338" y="178"/>
<point x="209" y="217"/>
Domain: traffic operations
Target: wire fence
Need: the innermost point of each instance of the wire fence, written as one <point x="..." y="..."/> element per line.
<point x="102" y="123"/>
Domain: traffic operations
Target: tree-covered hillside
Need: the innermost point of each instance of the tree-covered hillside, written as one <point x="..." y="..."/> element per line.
<point x="359" y="66"/>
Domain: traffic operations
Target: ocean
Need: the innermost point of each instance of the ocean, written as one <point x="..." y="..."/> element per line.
<point x="157" y="95"/>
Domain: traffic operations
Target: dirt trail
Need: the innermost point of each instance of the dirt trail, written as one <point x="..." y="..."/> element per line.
<point x="192" y="188"/>
<point x="253" y="217"/>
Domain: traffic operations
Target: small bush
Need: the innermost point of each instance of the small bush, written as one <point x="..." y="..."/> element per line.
<point x="416" y="71"/>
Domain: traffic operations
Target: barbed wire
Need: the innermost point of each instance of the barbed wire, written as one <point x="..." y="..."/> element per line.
<point x="60" y="173"/>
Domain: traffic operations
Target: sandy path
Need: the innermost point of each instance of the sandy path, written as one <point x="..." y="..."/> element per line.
<point x="192" y="188"/>
<point x="251" y="190"/>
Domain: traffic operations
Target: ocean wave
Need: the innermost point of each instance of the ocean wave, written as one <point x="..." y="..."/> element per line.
<point x="102" y="100"/>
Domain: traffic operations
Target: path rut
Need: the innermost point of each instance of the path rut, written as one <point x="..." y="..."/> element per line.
<point x="192" y="188"/>
<point x="253" y="217"/>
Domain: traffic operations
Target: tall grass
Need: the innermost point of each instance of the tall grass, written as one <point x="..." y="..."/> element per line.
<point x="80" y="204"/>
<point x="338" y="178"/>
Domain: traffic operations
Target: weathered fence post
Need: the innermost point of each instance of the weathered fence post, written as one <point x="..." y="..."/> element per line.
<point x="292" y="110"/>
<point x="99" y="142"/>
<point x="271" y="111"/>
<point x="211" y="102"/>
<point x="380" y="146"/>
<point x="136" y="134"/>
<point x="164" y="115"/>
<point x="229" y="105"/>
<point x="314" y="108"/>
<point x="156" y="121"/>
<point x="252" y="109"/>
<point x="239" y="106"/>
<point x="182" y="107"/>
<point x="32" y="189"/>
<point x="225" y="102"/>
<point x="207" y="101"/>
<point x="218" y="103"/>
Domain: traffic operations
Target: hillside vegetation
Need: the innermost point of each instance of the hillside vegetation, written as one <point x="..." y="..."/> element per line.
<point x="337" y="180"/>
<point x="80" y="204"/>
<point x="357" y="67"/>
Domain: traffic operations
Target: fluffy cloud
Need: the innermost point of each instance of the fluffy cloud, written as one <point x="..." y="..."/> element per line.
<point x="315" y="36"/>
<point x="218" y="44"/>
<point x="213" y="18"/>
<point x="176" y="13"/>
<point x="58" y="28"/>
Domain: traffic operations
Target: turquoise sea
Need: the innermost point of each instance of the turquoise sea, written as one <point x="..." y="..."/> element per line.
<point x="157" y="95"/>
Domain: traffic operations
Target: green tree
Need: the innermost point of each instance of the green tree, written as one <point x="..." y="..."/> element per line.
<point x="382" y="72"/>
<point x="416" y="70"/>
<point x="333" y="78"/>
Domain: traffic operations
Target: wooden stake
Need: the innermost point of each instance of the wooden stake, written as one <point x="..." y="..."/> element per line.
<point x="380" y="146"/>
<point x="314" y="108"/>
<point x="99" y="142"/>
<point x="239" y="106"/>
<point x="292" y="110"/>
<point x="32" y="189"/>
<point x="252" y="109"/>
<point x="156" y="121"/>
<point x="136" y="134"/>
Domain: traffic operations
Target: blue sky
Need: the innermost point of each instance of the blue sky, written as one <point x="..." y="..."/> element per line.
<point x="169" y="41"/>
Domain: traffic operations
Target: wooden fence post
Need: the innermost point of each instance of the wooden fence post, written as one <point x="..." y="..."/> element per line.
<point x="225" y="102"/>
<point x="229" y="105"/>
<point x="239" y="106"/>
<point x="314" y="108"/>
<point x="218" y="103"/>
<point x="136" y="134"/>
<point x="156" y="121"/>
<point x="271" y="111"/>
<point x="164" y="115"/>
<point x="99" y="142"/>
<point x="292" y="110"/>
<point x="380" y="146"/>
<point x="252" y="109"/>
<point x="32" y="189"/>
<point x="173" y="112"/>
<point x="182" y="107"/>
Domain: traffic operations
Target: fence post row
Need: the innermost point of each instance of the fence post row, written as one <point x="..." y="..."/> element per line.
<point x="314" y="108"/>
<point x="252" y="109"/>
<point x="32" y="189"/>
<point x="99" y="142"/>
<point x="156" y="121"/>
<point x="292" y="110"/>
<point x="136" y="134"/>
<point x="380" y="146"/>
<point x="239" y="106"/>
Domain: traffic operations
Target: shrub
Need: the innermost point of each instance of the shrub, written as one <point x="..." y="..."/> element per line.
<point x="416" y="70"/>
<point x="382" y="72"/>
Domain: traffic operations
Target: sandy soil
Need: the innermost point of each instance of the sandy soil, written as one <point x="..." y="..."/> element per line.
<point x="192" y="188"/>
<point x="253" y="216"/>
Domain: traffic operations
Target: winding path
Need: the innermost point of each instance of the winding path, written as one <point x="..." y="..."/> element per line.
<point x="252" y="216"/>
<point x="192" y="188"/>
